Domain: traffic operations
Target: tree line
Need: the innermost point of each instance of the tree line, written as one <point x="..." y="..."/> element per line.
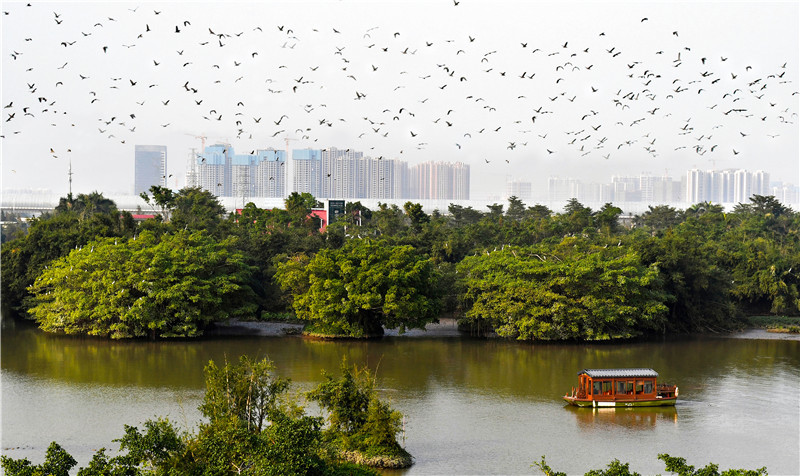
<point x="522" y="272"/>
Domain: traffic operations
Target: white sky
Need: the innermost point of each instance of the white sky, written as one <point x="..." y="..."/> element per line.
<point x="599" y="78"/>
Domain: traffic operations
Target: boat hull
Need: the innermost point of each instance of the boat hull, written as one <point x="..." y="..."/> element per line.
<point x="657" y="402"/>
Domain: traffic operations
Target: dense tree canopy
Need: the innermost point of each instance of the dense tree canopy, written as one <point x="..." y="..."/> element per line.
<point x="357" y="290"/>
<point x="706" y="266"/>
<point x="571" y="291"/>
<point x="168" y="286"/>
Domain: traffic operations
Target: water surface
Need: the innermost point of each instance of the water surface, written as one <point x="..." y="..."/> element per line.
<point x="471" y="406"/>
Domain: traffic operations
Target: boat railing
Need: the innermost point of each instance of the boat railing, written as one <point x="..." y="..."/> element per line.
<point x="665" y="390"/>
<point x="578" y="393"/>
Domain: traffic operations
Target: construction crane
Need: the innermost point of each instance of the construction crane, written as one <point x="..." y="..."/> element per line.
<point x="202" y="140"/>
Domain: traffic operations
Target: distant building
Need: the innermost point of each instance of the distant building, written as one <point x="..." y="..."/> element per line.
<point x="521" y="190"/>
<point x="324" y="173"/>
<point x="439" y="181"/>
<point x="307" y="169"/>
<point x="560" y="190"/>
<point x="214" y="170"/>
<point x="150" y="167"/>
<point x="725" y="186"/>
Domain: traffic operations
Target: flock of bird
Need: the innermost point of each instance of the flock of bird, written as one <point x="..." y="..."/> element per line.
<point x="384" y="91"/>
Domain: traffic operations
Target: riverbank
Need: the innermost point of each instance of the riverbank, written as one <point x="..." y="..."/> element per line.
<point x="446" y="327"/>
<point x="760" y="333"/>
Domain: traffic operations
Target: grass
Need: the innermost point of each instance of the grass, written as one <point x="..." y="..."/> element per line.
<point x="776" y="323"/>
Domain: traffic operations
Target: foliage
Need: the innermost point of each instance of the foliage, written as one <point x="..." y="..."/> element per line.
<point x="615" y="468"/>
<point x="248" y="391"/>
<point x="357" y="418"/>
<point x="197" y="209"/>
<point x="235" y="440"/>
<point x="673" y="465"/>
<point x="679" y="466"/>
<point x="157" y="447"/>
<point x="168" y="286"/>
<point x="163" y="197"/>
<point x="299" y="206"/>
<point x="57" y="462"/>
<point x="416" y="216"/>
<point x="688" y="258"/>
<point x="714" y="266"/>
<point x="570" y="291"/>
<point x="87" y="205"/>
<point x="659" y="218"/>
<point x="357" y="290"/>
<point x="51" y="236"/>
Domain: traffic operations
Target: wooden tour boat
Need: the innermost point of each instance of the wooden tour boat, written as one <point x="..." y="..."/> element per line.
<point x="621" y="388"/>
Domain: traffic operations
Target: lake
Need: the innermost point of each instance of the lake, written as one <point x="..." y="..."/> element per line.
<point x="471" y="406"/>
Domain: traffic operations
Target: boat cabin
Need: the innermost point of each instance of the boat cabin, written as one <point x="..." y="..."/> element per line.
<point x="621" y="387"/>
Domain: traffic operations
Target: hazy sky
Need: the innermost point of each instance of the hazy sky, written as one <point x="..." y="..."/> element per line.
<point x="519" y="90"/>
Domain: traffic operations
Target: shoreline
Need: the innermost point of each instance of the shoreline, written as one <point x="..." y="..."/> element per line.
<point x="446" y="327"/>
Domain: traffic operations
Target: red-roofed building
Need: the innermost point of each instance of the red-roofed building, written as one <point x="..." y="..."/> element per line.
<point x="322" y="214"/>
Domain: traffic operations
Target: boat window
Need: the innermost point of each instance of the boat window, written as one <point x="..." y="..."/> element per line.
<point x="606" y="387"/>
<point x="620" y="387"/>
<point x="639" y="386"/>
<point x="596" y="388"/>
<point x="629" y="387"/>
<point x="648" y="386"/>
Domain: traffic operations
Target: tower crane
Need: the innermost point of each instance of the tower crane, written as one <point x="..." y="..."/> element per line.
<point x="202" y="138"/>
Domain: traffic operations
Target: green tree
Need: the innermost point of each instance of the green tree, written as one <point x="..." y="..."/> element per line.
<point x="416" y="215"/>
<point x="357" y="418"/>
<point x="607" y="219"/>
<point x="679" y="466"/>
<point x="197" y="209"/>
<point x="360" y="288"/>
<point x="495" y="214"/>
<point x="699" y="286"/>
<point x="248" y="391"/>
<point x="299" y="206"/>
<point x="168" y="286"/>
<point x="659" y="218"/>
<point x="516" y="209"/>
<point x="576" y="216"/>
<point x="539" y="212"/>
<point x="356" y="213"/>
<point x="163" y="197"/>
<point x="57" y="462"/>
<point x="464" y="215"/>
<point x="571" y="291"/>
<point x="50" y="236"/>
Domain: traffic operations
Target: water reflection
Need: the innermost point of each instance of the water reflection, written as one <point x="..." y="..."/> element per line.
<point x="644" y="418"/>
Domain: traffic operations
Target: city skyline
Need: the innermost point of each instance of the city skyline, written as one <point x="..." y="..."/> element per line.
<point x="514" y="90"/>
<point x="324" y="173"/>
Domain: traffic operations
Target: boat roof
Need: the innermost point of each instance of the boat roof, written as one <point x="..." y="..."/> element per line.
<point x="618" y="373"/>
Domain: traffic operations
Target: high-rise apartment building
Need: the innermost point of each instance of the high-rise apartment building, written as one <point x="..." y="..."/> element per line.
<point x="214" y="170"/>
<point x="150" y="167"/>
<point x="520" y="189"/>
<point x="725" y="186"/>
<point x="226" y="174"/>
<point x="439" y="181"/>
<point x="325" y="173"/>
<point x="307" y="170"/>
